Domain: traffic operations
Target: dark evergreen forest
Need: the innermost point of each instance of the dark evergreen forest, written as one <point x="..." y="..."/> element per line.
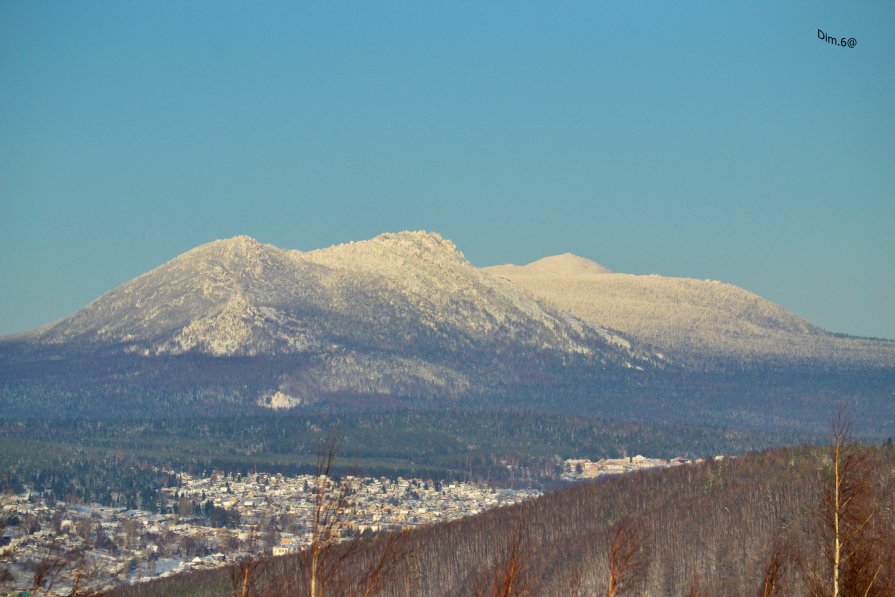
<point x="115" y="462"/>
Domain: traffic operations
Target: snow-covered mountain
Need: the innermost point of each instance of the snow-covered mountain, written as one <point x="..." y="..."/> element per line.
<point x="558" y="266"/>
<point x="688" y="320"/>
<point x="399" y="314"/>
<point x="406" y="317"/>
<point x="241" y="297"/>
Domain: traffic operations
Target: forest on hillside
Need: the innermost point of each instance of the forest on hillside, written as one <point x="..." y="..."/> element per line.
<point x="778" y="522"/>
<point x="774" y="395"/>
<point x="115" y="462"/>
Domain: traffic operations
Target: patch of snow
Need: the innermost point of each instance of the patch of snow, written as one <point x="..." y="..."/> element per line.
<point x="279" y="400"/>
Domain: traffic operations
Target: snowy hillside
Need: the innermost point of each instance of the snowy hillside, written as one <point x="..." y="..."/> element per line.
<point x="223" y="298"/>
<point x="450" y="297"/>
<point x="405" y="320"/>
<point x="687" y="319"/>
<point x="558" y="266"/>
<point x="398" y="314"/>
<point x="239" y="297"/>
<point x="414" y="293"/>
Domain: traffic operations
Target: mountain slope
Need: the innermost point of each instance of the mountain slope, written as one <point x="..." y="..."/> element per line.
<point x="239" y="297"/>
<point x="401" y="314"/>
<point x="691" y="320"/>
<point x="709" y="528"/>
<point x="557" y="266"/>
<point x="221" y="298"/>
<point x="404" y="320"/>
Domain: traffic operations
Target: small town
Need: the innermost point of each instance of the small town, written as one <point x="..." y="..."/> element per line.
<point x="206" y="522"/>
<point x="582" y="468"/>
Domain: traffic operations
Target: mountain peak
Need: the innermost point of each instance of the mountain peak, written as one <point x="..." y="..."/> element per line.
<point x="393" y="247"/>
<point x="240" y="240"/>
<point x="420" y="239"/>
<point x="566" y="265"/>
<point x="240" y="251"/>
<point x="236" y="245"/>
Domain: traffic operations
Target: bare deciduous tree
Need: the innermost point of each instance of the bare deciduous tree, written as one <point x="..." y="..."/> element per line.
<point x="244" y="574"/>
<point x="331" y="565"/>
<point x="696" y="589"/>
<point x="772" y="584"/>
<point x="854" y="544"/>
<point x="328" y="523"/>
<point x="48" y="569"/>
<point x="378" y="573"/>
<point x="508" y="573"/>
<point x="627" y="561"/>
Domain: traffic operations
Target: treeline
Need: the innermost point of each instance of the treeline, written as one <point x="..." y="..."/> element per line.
<point x="756" y="525"/>
<point x="110" y="462"/>
<point x="72" y="473"/>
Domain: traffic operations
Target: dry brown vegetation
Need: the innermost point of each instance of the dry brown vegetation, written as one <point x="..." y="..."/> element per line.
<point x="760" y="524"/>
<point x="853" y="524"/>
<point x="627" y="561"/>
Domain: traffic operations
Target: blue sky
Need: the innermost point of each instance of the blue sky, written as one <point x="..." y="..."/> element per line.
<point x="713" y="140"/>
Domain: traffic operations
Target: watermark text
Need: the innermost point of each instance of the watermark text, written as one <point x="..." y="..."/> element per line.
<point x="842" y="42"/>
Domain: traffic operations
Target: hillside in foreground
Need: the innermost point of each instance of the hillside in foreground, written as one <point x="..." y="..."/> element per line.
<point x="709" y="529"/>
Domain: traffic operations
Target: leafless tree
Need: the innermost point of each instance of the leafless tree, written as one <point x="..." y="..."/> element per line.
<point x="627" y="561"/>
<point x="508" y="580"/>
<point x="47" y="570"/>
<point x="244" y="574"/>
<point x="855" y="546"/>
<point x="331" y="565"/>
<point x="696" y="589"/>
<point x="330" y="504"/>
<point x="85" y="575"/>
<point x="379" y="572"/>
<point x="772" y="584"/>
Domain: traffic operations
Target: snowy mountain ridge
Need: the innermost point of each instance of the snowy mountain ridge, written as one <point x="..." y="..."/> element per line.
<point x="238" y="296"/>
<point x="397" y="314"/>
<point x="566" y="265"/>
<point x="402" y="291"/>
<point x="404" y="318"/>
<point x="690" y="320"/>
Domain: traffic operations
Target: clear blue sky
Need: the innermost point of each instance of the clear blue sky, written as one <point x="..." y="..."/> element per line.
<point x="715" y="140"/>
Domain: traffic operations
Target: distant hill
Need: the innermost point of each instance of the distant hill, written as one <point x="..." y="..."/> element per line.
<point x="238" y="297"/>
<point x="557" y="266"/>
<point x="697" y="322"/>
<point x="399" y="315"/>
<point x="404" y="320"/>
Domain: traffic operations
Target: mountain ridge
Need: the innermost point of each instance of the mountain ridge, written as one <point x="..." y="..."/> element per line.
<point x="240" y="296"/>
<point x="404" y="319"/>
<point x="400" y="314"/>
<point x="689" y="319"/>
<point x="564" y="265"/>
